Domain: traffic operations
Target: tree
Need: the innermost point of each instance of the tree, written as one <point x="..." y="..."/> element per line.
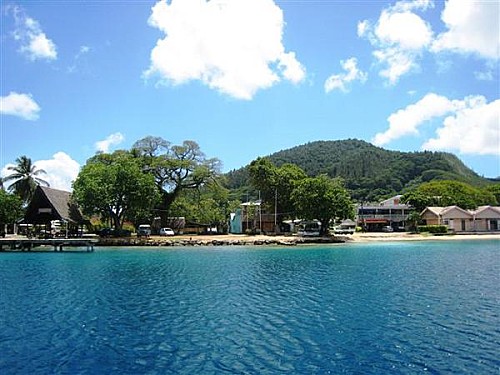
<point x="322" y="198"/>
<point x="448" y="193"/>
<point x="210" y="204"/>
<point x="25" y="178"/>
<point x="174" y="168"/>
<point x="11" y="208"/>
<point x="276" y="184"/>
<point x="114" y="186"/>
<point x="495" y="190"/>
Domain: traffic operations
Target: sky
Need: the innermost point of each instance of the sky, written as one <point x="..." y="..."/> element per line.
<point x="247" y="78"/>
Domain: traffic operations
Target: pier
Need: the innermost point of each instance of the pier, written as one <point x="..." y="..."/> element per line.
<point x="58" y="244"/>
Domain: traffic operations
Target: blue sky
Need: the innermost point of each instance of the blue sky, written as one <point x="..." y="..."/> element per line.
<point x="247" y="78"/>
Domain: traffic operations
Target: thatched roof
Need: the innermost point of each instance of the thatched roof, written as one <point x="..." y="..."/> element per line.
<point x="51" y="204"/>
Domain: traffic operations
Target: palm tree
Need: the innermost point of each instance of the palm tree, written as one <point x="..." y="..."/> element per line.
<point x="25" y="178"/>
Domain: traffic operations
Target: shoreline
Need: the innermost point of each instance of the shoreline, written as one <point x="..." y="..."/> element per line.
<point x="280" y="240"/>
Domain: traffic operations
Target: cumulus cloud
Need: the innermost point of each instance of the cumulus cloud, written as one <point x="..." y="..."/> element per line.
<point x="234" y="46"/>
<point x="473" y="129"/>
<point x="340" y="81"/>
<point x="472" y="27"/>
<point x="469" y="126"/>
<point x="399" y="38"/>
<point x="20" y="105"/>
<point x="406" y="121"/>
<point x="34" y="42"/>
<point x="61" y="170"/>
<point x="111" y="140"/>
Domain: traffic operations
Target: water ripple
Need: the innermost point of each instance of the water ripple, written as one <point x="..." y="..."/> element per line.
<point x="396" y="309"/>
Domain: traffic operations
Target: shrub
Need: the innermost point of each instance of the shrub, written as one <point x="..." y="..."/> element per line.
<point x="435" y="229"/>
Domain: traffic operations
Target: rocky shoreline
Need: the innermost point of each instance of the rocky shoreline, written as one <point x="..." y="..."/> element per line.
<point x="247" y="241"/>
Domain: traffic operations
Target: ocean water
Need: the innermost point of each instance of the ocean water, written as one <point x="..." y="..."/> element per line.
<point x="386" y="308"/>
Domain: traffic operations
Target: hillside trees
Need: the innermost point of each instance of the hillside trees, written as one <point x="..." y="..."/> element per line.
<point x="114" y="186"/>
<point x="448" y="193"/>
<point x="322" y="198"/>
<point x="175" y="168"/>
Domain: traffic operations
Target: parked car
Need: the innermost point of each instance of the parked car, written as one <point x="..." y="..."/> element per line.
<point x="144" y="230"/>
<point x="387" y="228"/>
<point x="166" y="232"/>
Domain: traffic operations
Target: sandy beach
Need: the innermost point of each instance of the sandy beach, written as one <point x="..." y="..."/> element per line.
<point x="355" y="238"/>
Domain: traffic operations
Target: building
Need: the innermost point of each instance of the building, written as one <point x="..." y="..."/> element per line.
<point x="49" y="205"/>
<point x="455" y="218"/>
<point x="487" y="218"/>
<point x="484" y="219"/>
<point x="388" y="213"/>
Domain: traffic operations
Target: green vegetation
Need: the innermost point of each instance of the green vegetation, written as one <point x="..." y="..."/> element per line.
<point x="321" y="198"/>
<point x="24" y="178"/>
<point x="449" y="193"/>
<point x="175" y="168"/>
<point x="370" y="173"/>
<point x="434" y="229"/>
<point x="275" y="185"/>
<point x="114" y="186"/>
<point x="289" y="191"/>
<point x="312" y="181"/>
<point x="11" y="208"/>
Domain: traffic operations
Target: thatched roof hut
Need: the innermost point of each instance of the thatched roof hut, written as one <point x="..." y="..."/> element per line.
<point x="50" y="204"/>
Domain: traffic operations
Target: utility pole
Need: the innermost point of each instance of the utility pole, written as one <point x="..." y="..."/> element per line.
<point x="275" y="210"/>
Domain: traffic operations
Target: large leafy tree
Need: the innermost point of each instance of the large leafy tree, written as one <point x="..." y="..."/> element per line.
<point x="114" y="186"/>
<point x="322" y="198"/>
<point x="209" y="204"/>
<point x="276" y="184"/>
<point x="11" y="208"/>
<point x="175" y="168"/>
<point x="24" y="178"/>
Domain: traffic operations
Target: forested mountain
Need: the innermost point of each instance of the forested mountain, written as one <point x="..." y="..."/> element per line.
<point x="370" y="172"/>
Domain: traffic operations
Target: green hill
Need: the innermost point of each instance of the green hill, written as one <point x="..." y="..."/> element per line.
<point x="370" y="172"/>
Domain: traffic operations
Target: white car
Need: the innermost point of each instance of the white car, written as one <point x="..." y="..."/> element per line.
<point x="167" y="232"/>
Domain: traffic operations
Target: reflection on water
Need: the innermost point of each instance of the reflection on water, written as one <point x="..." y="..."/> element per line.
<point x="383" y="308"/>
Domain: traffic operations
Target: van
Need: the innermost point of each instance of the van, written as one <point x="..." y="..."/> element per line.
<point x="144" y="230"/>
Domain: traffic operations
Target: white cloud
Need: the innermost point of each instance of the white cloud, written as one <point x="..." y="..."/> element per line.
<point x="473" y="129"/>
<point x="234" y="47"/>
<point x="112" y="140"/>
<point x="20" y="105"/>
<point x="61" y="170"/>
<point x="399" y="37"/>
<point x="406" y="121"/>
<point x="34" y="42"/>
<point x="472" y="27"/>
<point x="469" y="126"/>
<point x="352" y="73"/>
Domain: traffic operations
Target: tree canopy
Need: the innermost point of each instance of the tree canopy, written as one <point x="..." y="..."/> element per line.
<point x="449" y="193"/>
<point x="11" y="208"/>
<point x="275" y="184"/>
<point x="174" y="167"/>
<point x="322" y="198"/>
<point x="114" y="186"/>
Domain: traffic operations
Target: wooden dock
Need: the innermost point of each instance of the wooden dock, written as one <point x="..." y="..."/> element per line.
<point x="58" y="244"/>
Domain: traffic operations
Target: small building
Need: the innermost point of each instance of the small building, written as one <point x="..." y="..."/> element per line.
<point x="455" y="218"/>
<point x="49" y="205"/>
<point x="487" y="219"/>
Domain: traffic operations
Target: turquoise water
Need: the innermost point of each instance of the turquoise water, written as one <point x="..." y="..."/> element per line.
<point x="398" y="308"/>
